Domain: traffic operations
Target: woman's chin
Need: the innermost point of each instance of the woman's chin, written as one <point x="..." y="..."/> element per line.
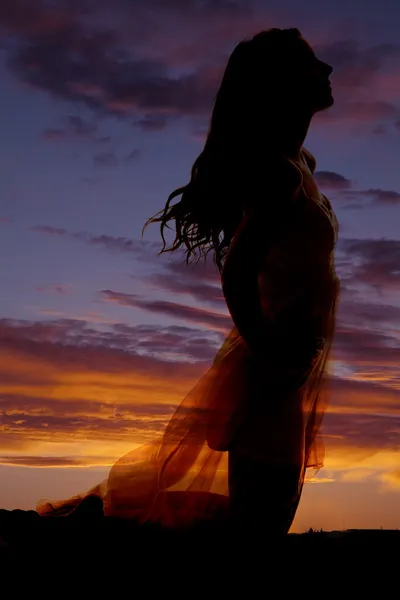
<point x="325" y="103"/>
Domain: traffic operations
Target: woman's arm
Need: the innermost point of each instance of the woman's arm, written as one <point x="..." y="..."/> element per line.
<point x="259" y="228"/>
<point x="240" y="283"/>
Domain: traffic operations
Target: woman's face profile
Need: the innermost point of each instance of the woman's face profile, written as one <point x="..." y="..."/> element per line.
<point x="313" y="76"/>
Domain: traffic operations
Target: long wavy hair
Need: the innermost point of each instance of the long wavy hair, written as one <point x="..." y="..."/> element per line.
<point x="231" y="166"/>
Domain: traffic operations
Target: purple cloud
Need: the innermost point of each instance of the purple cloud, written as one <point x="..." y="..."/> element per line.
<point x="358" y="198"/>
<point x="152" y="123"/>
<point x="332" y="180"/>
<point x="105" y="139"/>
<point x="52" y="134"/>
<point x="75" y="126"/>
<point x="81" y="127"/>
<point x="111" y="243"/>
<point x="134" y="71"/>
<point x="355" y="64"/>
<point x="59" y="289"/>
<point x="148" y="340"/>
<point x="133" y="155"/>
<point x="380" y="196"/>
<point x="105" y="159"/>
<point x="200" y="316"/>
<point x="378" y="261"/>
<point x="201" y="291"/>
<point x="49" y="230"/>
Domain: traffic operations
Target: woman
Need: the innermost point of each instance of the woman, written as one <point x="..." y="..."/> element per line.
<point x="251" y="201"/>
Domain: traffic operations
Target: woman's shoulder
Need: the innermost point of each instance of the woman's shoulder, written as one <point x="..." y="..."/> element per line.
<point x="309" y="159"/>
<point x="283" y="174"/>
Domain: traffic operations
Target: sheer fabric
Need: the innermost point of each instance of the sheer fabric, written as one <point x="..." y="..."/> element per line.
<point x="267" y="408"/>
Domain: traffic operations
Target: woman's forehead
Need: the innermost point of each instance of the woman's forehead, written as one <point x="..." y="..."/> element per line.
<point x="305" y="45"/>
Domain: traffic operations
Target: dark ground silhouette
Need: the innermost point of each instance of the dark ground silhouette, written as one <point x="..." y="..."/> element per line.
<point x="88" y="546"/>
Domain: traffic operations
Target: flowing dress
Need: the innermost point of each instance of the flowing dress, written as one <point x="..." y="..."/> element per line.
<point x="269" y="409"/>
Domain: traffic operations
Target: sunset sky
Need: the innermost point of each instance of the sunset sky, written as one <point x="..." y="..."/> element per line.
<point x="104" y="107"/>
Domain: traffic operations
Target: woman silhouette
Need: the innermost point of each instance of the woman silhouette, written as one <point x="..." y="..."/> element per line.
<point x="239" y="444"/>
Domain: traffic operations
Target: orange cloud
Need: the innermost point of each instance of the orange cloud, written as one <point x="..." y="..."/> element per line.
<point x="64" y="400"/>
<point x="75" y="397"/>
<point x="391" y="479"/>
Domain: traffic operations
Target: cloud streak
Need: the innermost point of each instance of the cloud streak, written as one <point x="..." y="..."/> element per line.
<point x="199" y="316"/>
<point x="332" y="180"/>
<point x="377" y="262"/>
<point x="150" y="66"/>
<point x="65" y="387"/>
<point x="75" y="127"/>
<point x="108" y="242"/>
<point x="58" y="288"/>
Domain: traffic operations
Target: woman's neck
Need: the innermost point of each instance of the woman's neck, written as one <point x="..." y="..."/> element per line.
<point x="291" y="133"/>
